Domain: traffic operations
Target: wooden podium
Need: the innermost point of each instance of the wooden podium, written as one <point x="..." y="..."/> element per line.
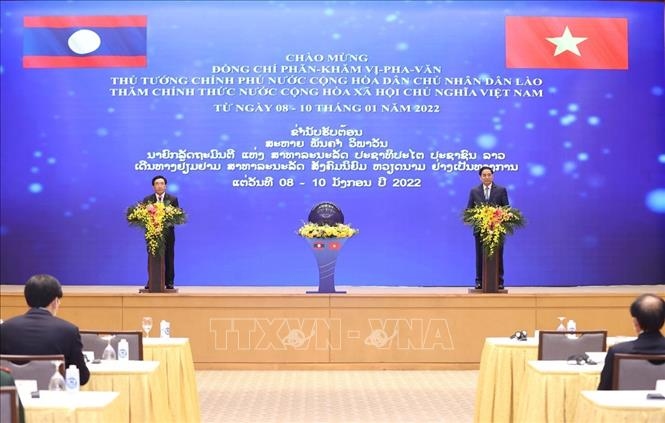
<point x="157" y="276"/>
<point x="490" y="275"/>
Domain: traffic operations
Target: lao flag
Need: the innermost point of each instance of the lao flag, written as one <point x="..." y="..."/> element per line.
<point x="319" y="246"/>
<point x="566" y="43"/>
<point x="84" y="41"/>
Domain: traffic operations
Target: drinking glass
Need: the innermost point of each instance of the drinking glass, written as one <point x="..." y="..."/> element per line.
<point x="147" y="326"/>
<point x="109" y="352"/>
<point x="561" y="327"/>
<point x="57" y="382"/>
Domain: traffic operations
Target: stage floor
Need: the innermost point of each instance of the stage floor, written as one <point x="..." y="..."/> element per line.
<point x="232" y="327"/>
<point x="351" y="290"/>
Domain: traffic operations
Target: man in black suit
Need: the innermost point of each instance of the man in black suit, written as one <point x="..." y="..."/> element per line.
<point x="161" y="196"/>
<point x="39" y="331"/>
<point x="487" y="193"/>
<point x="648" y="313"/>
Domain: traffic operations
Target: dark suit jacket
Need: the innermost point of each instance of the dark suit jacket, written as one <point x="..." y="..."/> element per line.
<point x="169" y="200"/>
<point x="646" y="343"/>
<point x="498" y="196"/>
<point x="38" y="332"/>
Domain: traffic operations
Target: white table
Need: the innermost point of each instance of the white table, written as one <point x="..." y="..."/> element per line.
<point x="619" y="406"/>
<point x="564" y="367"/>
<point x="120" y="366"/>
<point x="141" y="387"/>
<point x="75" y="407"/>
<point x="550" y="390"/>
<point x="177" y="368"/>
<point x="503" y="363"/>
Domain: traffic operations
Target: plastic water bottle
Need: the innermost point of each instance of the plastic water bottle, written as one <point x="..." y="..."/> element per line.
<point x="72" y="379"/>
<point x="164" y="329"/>
<point x="123" y="349"/>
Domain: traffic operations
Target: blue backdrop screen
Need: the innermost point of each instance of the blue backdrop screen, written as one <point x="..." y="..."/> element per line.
<point x="257" y="111"/>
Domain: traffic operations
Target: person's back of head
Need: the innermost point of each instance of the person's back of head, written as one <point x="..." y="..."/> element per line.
<point x="649" y="312"/>
<point x="41" y="290"/>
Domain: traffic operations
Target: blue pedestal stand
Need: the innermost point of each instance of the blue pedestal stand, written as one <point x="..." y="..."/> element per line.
<point x="326" y="250"/>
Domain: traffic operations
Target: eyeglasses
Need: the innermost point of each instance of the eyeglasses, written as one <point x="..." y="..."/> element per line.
<point x="520" y="335"/>
<point x="581" y="359"/>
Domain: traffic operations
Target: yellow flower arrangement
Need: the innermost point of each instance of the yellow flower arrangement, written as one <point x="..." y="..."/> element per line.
<point x="155" y="219"/>
<point x="312" y="230"/>
<point x="493" y="223"/>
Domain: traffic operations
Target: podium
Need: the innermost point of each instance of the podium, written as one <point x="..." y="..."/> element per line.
<point x="157" y="276"/>
<point x="326" y="251"/>
<point x="490" y="277"/>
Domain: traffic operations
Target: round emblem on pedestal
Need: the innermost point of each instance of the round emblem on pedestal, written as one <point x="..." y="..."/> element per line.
<point x="326" y="213"/>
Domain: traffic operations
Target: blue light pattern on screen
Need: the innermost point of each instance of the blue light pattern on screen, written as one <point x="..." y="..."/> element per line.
<point x="590" y="151"/>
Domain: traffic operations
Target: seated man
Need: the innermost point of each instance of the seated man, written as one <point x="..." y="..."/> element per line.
<point x="39" y="332"/>
<point x="648" y="313"/>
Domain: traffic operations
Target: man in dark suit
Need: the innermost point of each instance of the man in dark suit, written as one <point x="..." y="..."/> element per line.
<point x="161" y="196"/>
<point x="39" y="331"/>
<point x="487" y="193"/>
<point x="648" y="313"/>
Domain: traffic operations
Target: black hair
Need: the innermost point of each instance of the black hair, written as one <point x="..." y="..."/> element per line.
<point x="41" y="290"/>
<point x="480" y="172"/>
<point x="649" y="311"/>
<point x="159" y="177"/>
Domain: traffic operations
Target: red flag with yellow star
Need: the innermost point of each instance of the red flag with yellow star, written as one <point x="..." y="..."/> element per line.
<point x="537" y="42"/>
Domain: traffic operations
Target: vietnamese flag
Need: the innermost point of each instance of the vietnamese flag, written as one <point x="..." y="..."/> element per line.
<point x="84" y="41"/>
<point x="566" y="43"/>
